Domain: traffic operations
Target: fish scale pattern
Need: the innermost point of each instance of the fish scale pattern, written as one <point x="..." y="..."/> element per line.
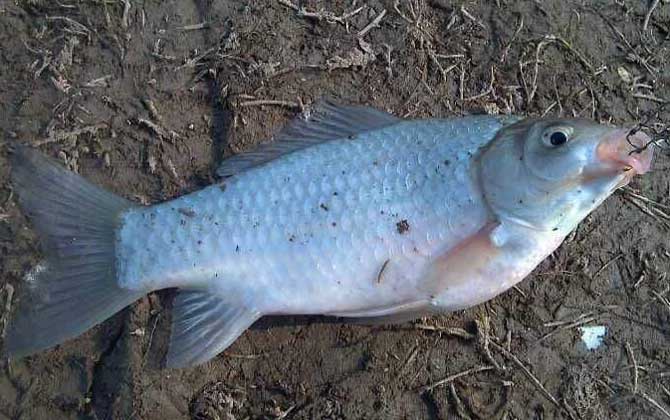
<point x="310" y="231"/>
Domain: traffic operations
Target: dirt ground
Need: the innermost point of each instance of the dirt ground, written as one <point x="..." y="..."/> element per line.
<point x="144" y="97"/>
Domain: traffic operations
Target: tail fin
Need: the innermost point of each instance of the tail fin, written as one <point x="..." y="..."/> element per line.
<point x="76" y="222"/>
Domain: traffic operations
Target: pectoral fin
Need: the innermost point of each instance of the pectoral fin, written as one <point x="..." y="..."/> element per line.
<point x="463" y="263"/>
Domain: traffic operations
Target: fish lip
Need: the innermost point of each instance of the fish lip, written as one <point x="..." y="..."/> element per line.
<point x="625" y="151"/>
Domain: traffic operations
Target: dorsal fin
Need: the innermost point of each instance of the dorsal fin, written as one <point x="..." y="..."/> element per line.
<point x="325" y="121"/>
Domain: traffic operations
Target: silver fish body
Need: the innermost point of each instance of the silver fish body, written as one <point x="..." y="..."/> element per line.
<point x="352" y="212"/>
<point x="310" y="233"/>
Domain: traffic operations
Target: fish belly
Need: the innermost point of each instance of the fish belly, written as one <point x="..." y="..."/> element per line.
<point x="341" y="227"/>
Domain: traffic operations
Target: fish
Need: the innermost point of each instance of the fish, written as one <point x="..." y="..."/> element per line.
<point x="348" y="212"/>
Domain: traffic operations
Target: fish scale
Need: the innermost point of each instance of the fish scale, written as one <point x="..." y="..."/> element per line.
<point x="300" y="230"/>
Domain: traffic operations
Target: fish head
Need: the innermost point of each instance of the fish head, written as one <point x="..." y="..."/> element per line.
<point x="548" y="174"/>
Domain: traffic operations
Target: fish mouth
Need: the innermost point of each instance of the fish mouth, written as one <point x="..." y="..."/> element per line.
<point x="624" y="153"/>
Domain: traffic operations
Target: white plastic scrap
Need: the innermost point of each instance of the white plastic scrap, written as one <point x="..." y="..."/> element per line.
<point x="592" y="336"/>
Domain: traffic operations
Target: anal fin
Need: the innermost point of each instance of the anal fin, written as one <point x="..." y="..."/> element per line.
<point x="393" y="314"/>
<point x="204" y="325"/>
<point x="393" y="319"/>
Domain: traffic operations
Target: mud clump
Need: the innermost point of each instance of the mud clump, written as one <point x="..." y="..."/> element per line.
<point x="216" y="402"/>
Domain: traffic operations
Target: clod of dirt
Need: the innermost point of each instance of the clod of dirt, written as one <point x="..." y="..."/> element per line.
<point x="216" y="402"/>
<point x="357" y="57"/>
<point x="581" y="392"/>
<point x="402" y="226"/>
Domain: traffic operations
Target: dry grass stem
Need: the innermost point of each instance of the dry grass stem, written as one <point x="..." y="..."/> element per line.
<point x="651" y="98"/>
<point x="487" y="91"/>
<point x="519" y="291"/>
<point x="579" y="321"/>
<point x="380" y="275"/>
<point x="373" y="24"/>
<point x="649" y="207"/>
<point x="469" y="16"/>
<point x="158" y="130"/>
<point x="195" y="26"/>
<point x="320" y="15"/>
<point x="460" y="409"/>
<point x="632" y="51"/>
<point x="409" y="359"/>
<point x="632" y="193"/>
<point x="561" y="41"/>
<point x="563" y="323"/>
<point x="647" y="16"/>
<point x="151" y="339"/>
<point x="453" y="331"/>
<point x="151" y="107"/>
<point x="75" y="26"/>
<point x="484" y="339"/>
<point x="125" y="22"/>
<point x="452" y="378"/>
<point x="63" y="135"/>
<point x="533" y="380"/>
<point x="503" y="56"/>
<point x="9" y="296"/>
<point x="631" y="356"/>
<point x="664" y="301"/>
<point x="607" y="264"/>
<point x="99" y="82"/>
<point x="610" y="384"/>
<point x="270" y="102"/>
<point x="531" y="89"/>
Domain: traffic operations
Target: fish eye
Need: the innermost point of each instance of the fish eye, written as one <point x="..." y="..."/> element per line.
<point x="555" y="137"/>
